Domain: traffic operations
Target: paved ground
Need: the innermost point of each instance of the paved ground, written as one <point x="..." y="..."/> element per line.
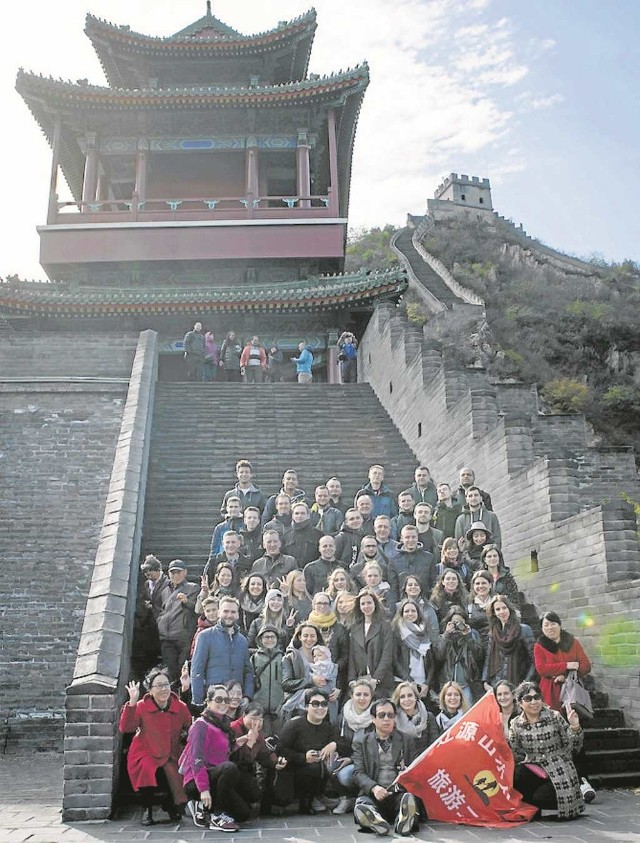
<point x="31" y="790"/>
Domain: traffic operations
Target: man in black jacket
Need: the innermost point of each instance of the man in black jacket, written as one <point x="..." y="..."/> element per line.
<point x="378" y="756"/>
<point x="301" y="539"/>
<point x="194" y="352"/>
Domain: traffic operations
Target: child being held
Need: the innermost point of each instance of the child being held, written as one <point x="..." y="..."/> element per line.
<point x="323" y="667"/>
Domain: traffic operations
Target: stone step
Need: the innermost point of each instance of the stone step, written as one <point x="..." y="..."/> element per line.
<point x="615" y="780"/>
<point x="622" y="738"/>
<point x="615" y="760"/>
<point x="607" y="718"/>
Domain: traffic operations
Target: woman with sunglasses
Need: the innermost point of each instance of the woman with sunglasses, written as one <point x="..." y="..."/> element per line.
<point x="547" y="777"/>
<point x="212" y="781"/>
<point x="158" y="720"/>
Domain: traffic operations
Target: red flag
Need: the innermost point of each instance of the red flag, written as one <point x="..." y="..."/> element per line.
<point x="466" y="776"/>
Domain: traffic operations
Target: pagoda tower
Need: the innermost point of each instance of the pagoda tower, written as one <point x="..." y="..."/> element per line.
<point x="210" y="181"/>
<point x="212" y="157"/>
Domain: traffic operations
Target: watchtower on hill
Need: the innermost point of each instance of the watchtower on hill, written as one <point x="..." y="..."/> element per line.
<point x="458" y="194"/>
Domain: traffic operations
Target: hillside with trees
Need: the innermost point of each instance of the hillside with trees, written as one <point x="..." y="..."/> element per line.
<point x="574" y="330"/>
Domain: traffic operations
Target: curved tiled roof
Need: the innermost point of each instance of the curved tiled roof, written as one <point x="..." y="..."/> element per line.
<point x="116" y="46"/>
<point x="29" y="298"/>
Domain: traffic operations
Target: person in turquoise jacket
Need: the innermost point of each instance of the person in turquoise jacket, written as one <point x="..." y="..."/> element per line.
<point x="304" y="363"/>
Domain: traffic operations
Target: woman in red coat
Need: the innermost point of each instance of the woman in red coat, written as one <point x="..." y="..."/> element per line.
<point x="555" y="653"/>
<point x="158" y="720"/>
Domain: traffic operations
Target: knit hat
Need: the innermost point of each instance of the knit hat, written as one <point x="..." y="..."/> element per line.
<point x="273" y="592"/>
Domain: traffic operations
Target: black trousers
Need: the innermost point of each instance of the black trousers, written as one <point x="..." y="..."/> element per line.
<point x="174" y="655"/>
<point x="232" y="791"/>
<point x="535" y="791"/>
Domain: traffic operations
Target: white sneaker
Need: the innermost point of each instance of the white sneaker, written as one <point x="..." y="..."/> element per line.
<point x="345" y="805"/>
<point x="588" y="793"/>
<point x="318" y="805"/>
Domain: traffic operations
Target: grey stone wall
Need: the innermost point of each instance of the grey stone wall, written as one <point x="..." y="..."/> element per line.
<point x="92" y="745"/>
<point x="67" y="355"/>
<point x="57" y="443"/>
<point x="556" y="498"/>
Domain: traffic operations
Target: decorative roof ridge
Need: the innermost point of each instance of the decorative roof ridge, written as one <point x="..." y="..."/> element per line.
<point x="92" y="20"/>
<point x="360" y="70"/>
<point x="326" y="282"/>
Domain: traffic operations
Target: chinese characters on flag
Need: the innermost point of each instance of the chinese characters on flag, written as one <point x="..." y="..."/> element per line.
<point x="466" y="776"/>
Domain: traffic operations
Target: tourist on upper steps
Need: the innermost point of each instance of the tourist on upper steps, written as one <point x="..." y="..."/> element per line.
<point x="381" y="495"/>
<point x="295" y="591"/>
<point x="364" y="505"/>
<point x="334" y="487"/>
<point x="159" y="721"/>
<point x="340" y="580"/>
<point x="467" y="479"/>
<point x="474" y="542"/>
<point x="475" y="510"/>
<point x="405" y="513"/>
<point x="251" y="534"/>
<point x="253" y="361"/>
<point x="429" y="537"/>
<point x="211" y="357"/>
<point x="446" y="512"/>
<point x="373" y="581"/>
<point x="194" y="353"/>
<point x="448" y="591"/>
<point x="370" y="552"/>
<point x="221" y="654"/>
<point x="492" y="561"/>
<point x="222" y="584"/>
<point x="301" y="539"/>
<point x="233" y="521"/>
<point x="273" y="565"/>
<point x="423" y="489"/>
<point x="230" y="352"/>
<point x="289" y="488"/>
<point x="177" y="621"/>
<point x="251" y="597"/>
<point x="304" y="363"/>
<point x="348" y="357"/>
<point x="275" y="358"/>
<point x="249" y="494"/>
<point x="325" y="517"/>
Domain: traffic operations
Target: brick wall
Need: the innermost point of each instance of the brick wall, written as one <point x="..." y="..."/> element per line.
<point x="57" y="443"/>
<point x="67" y="354"/>
<point x="552" y="493"/>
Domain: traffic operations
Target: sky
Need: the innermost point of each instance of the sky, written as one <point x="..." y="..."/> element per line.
<point x="540" y="97"/>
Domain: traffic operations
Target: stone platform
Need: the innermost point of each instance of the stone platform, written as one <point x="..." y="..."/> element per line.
<point x="31" y="795"/>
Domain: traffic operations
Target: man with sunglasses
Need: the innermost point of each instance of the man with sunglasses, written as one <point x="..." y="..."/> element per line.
<point x="307" y="742"/>
<point x="378" y="756"/>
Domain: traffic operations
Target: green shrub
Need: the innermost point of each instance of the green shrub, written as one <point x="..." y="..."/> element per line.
<point x="565" y="395"/>
<point x="416" y="314"/>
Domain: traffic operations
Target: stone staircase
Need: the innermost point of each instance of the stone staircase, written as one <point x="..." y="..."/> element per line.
<point x="422" y="271"/>
<point x="201" y="430"/>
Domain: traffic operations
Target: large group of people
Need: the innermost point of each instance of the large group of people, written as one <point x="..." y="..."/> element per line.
<point x="326" y="643"/>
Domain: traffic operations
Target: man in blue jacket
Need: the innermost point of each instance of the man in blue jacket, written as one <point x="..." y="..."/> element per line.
<point x="304" y="363"/>
<point x="221" y="655"/>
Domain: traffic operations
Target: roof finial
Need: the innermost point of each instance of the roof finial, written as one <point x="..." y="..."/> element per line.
<point x="208" y="8"/>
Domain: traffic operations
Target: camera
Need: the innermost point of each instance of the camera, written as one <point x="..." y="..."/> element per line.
<point x="459" y="626"/>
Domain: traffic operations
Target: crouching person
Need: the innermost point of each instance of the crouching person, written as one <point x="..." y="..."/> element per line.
<point x="378" y="756"/>
<point x="257" y="762"/>
<point x="218" y="798"/>
<point x="158" y="720"/>
<point x="308" y="742"/>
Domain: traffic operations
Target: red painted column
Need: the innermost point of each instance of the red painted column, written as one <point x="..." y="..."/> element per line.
<point x="303" y="168"/>
<point x="334" y="204"/>
<point x="52" y="211"/>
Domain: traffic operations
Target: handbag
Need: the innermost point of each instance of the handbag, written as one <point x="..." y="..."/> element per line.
<point x="574" y="692"/>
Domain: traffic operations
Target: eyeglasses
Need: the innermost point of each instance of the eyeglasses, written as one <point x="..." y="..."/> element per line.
<point x="220" y="700"/>
<point x="319" y="704"/>
<point x="161" y="686"/>
<point x="531" y="698"/>
<point x="385" y="715"/>
<point x="322" y="603"/>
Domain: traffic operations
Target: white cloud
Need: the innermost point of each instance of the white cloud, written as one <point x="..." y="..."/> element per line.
<point x="532" y="102"/>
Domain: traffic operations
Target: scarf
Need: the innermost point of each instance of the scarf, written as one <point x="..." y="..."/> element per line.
<point x="414" y="725"/>
<point x="248" y="604"/>
<point x="414" y="637"/>
<point x="323" y="622"/>
<point x="564" y="645"/>
<point x="223" y="723"/>
<point x="354" y="720"/>
<point x="507" y="644"/>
